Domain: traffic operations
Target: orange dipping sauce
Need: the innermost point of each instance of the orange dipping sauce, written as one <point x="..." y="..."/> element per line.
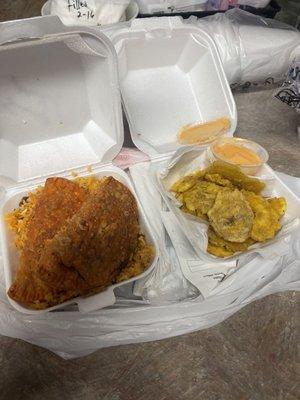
<point x="205" y="132"/>
<point x="237" y="154"/>
<point x="248" y="155"/>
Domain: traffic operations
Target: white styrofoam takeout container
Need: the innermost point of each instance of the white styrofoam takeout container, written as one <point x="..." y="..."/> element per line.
<point x="170" y="75"/>
<point x="168" y="172"/>
<point x="60" y="110"/>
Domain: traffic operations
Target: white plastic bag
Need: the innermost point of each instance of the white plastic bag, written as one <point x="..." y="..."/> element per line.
<point x="89" y="12"/>
<point x="166" y="283"/>
<point x="225" y="4"/>
<point x="167" y="6"/>
<point x="253" y="49"/>
<point x="289" y="93"/>
<point x="72" y="334"/>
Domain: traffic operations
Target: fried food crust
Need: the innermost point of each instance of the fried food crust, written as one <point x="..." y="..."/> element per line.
<point x="139" y="260"/>
<point x="97" y="241"/>
<point x="59" y="201"/>
<point x="223" y="248"/>
<point x="234" y="174"/>
<point x="279" y="205"/>
<point x="201" y="197"/>
<point x="229" y="200"/>
<point x="231" y="216"/>
<point x="187" y="182"/>
<point x="266" y="218"/>
<point x="218" y="251"/>
<point x="86" y="252"/>
<point x="219" y="180"/>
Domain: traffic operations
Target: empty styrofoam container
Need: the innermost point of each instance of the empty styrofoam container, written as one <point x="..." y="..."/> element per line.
<point x="61" y="111"/>
<point x="170" y="76"/>
<point x="61" y="107"/>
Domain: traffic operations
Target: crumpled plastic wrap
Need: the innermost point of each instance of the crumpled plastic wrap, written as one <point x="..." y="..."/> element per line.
<point x="166" y="283"/>
<point x="169" y="6"/>
<point x="71" y="335"/>
<point x="253" y="49"/>
<point x="162" y="313"/>
<point x="225" y="4"/>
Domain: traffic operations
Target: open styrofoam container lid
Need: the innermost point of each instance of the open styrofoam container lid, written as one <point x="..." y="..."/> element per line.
<point x="170" y="75"/>
<point x="60" y="106"/>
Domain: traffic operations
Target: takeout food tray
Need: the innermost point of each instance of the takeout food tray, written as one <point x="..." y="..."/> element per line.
<point x="61" y="113"/>
<point x="11" y="257"/>
<point x="167" y="172"/>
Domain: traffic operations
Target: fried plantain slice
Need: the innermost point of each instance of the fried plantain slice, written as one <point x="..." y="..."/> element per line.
<point x="279" y="205"/>
<point x="187" y="182"/>
<point x="231" y="216"/>
<point x="234" y="174"/>
<point x="219" y="180"/>
<point x="266" y="219"/>
<point x="218" y="251"/>
<point x="201" y="197"/>
<point x="218" y="242"/>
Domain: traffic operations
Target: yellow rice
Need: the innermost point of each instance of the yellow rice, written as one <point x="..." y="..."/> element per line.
<point x="19" y="218"/>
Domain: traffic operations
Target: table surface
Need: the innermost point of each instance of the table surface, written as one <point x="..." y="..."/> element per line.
<point x="252" y="355"/>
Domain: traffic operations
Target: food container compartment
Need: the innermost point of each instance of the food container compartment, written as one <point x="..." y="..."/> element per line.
<point x="170" y="76"/>
<point x="248" y="169"/>
<point x="167" y="172"/>
<point x="61" y="108"/>
<point x="61" y="112"/>
<point x="11" y="256"/>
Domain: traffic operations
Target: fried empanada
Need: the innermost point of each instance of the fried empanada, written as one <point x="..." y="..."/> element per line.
<point x="139" y="261"/>
<point x="86" y="240"/>
<point x="96" y="243"/>
<point x="59" y="200"/>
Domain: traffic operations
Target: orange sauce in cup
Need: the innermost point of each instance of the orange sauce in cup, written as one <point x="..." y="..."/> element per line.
<point x="237" y="154"/>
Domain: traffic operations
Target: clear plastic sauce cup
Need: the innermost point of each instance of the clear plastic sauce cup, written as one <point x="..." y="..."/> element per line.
<point x="248" y="155"/>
